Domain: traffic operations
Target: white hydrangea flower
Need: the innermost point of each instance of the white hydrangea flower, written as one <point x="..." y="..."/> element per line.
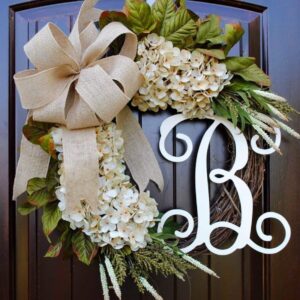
<point x="123" y="215"/>
<point x="187" y="81"/>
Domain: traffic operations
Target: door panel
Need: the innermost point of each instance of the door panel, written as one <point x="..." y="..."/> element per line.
<point x="244" y="274"/>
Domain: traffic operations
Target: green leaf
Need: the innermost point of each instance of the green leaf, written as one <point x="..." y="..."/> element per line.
<point x="139" y="16"/>
<point x="51" y="217"/>
<point x="235" y="64"/>
<point x="220" y="110"/>
<point x="54" y="250"/>
<point x="66" y="239"/>
<point x="107" y="17"/>
<point x="217" y="53"/>
<point x="178" y="28"/>
<point x="35" y="185"/>
<point x="38" y="193"/>
<point x="47" y="144"/>
<point x="41" y="198"/>
<point x="233" y="33"/>
<point x="208" y="29"/>
<point x="33" y="131"/>
<point x="255" y="74"/>
<point x="162" y="11"/>
<point x="243" y="95"/>
<point x="38" y="134"/>
<point x="84" y="248"/>
<point x="26" y="209"/>
<point x="238" y="84"/>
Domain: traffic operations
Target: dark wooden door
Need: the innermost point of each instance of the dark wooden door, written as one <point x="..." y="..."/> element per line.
<point x="272" y="29"/>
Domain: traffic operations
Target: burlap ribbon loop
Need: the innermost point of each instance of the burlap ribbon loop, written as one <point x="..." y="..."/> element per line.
<point x="73" y="85"/>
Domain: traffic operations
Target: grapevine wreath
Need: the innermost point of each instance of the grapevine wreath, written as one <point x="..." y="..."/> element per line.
<point x="80" y="136"/>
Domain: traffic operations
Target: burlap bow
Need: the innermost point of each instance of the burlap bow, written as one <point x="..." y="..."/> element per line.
<point x="76" y="86"/>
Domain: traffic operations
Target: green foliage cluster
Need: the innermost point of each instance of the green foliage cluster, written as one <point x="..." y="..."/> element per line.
<point x="157" y="258"/>
<point x="175" y="22"/>
<point x="240" y="104"/>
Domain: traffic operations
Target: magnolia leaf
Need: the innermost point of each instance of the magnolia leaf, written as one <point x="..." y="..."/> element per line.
<point x="107" y="17"/>
<point x="41" y="198"/>
<point x="162" y="11"/>
<point x="54" y="250"/>
<point x="33" y="131"/>
<point x="178" y="28"/>
<point x="255" y="74"/>
<point x="233" y="33"/>
<point x="50" y="218"/>
<point x="47" y="144"/>
<point x="238" y="84"/>
<point x="83" y="247"/>
<point x="139" y="16"/>
<point x="209" y="28"/>
<point x="38" y="192"/>
<point x="66" y="238"/>
<point x="217" y="53"/>
<point x="235" y="64"/>
<point x="35" y="185"/>
<point x="26" y="209"/>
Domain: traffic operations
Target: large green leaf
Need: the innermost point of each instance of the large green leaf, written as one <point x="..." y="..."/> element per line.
<point x="217" y="53"/>
<point x="83" y="247"/>
<point x="50" y="218"/>
<point x="238" y="84"/>
<point x="180" y="27"/>
<point x="41" y="198"/>
<point x="26" y="209"/>
<point x="209" y="28"/>
<point x="162" y="11"/>
<point x="139" y="16"/>
<point x="235" y="64"/>
<point x="38" y="193"/>
<point x="107" y="17"/>
<point x="33" y="131"/>
<point x="47" y="144"/>
<point x="35" y="185"/>
<point x="255" y="74"/>
<point x="54" y="250"/>
<point x="233" y="33"/>
<point x="38" y="133"/>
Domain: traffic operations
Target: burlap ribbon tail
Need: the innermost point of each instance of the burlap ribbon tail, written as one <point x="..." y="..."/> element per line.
<point x="76" y="85"/>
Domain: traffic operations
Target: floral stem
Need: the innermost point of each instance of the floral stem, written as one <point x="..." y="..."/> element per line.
<point x="113" y="277"/>
<point x="150" y="289"/>
<point x="103" y="279"/>
<point x="266" y="138"/>
<point x="199" y="265"/>
<point x="269" y="95"/>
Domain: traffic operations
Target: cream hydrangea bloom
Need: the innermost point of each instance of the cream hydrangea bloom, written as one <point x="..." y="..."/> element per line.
<point x="124" y="215"/>
<point x="187" y="81"/>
